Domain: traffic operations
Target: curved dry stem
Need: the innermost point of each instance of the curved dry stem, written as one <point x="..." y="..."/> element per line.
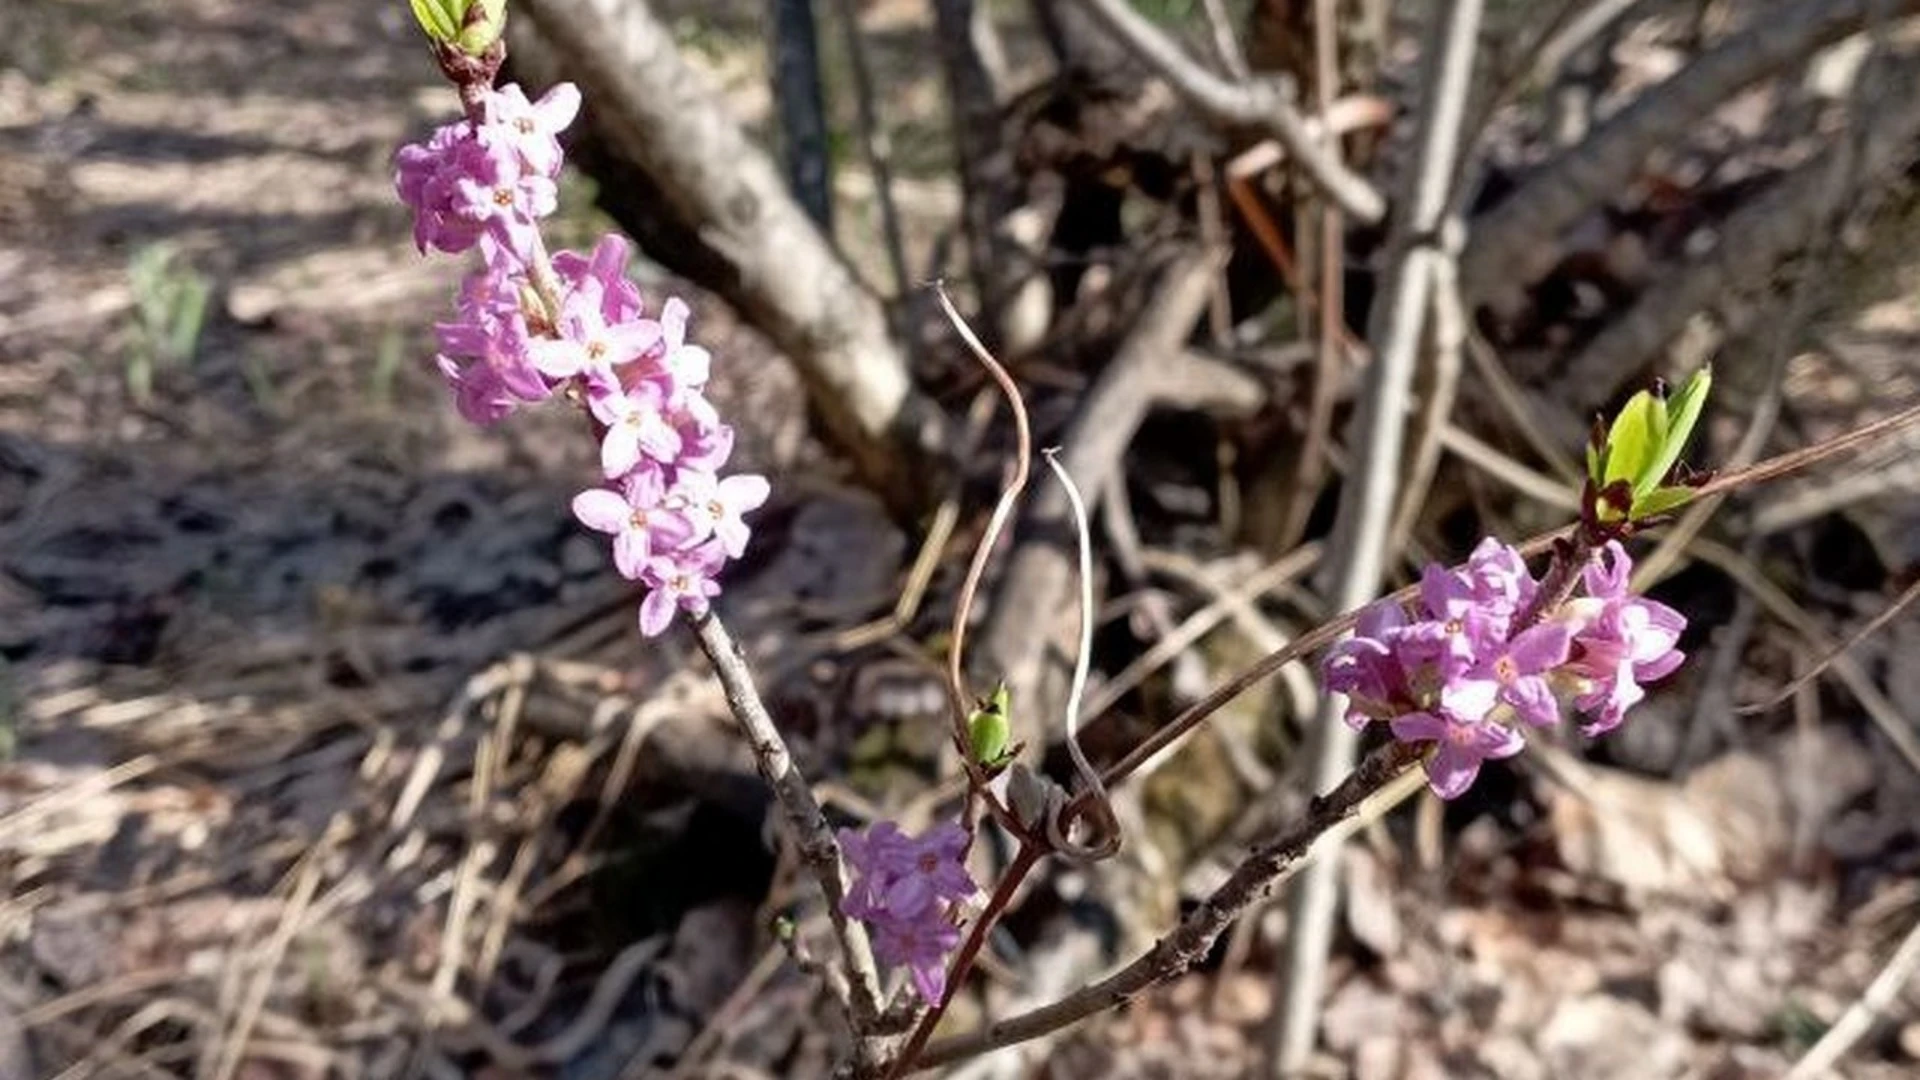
<point x="1106" y="825"/>
<point x="997" y="524"/>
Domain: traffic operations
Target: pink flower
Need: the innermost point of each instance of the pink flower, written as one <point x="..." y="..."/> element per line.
<point x="587" y="344"/>
<point x="1460" y="746"/>
<point x="1629" y="644"/>
<point x="680" y="581"/>
<point x="638" y="519"/>
<point x="902" y="888"/>
<point x="901" y="877"/>
<point x="1520" y="666"/>
<point x="637" y="428"/>
<point x="715" y="506"/>
<point x="922" y="947"/>
<point x="533" y="128"/>
<point x="606" y="268"/>
<point x="1436" y="673"/>
<point x="687" y="365"/>
<point x="705" y="442"/>
<point x="427" y="177"/>
<point x="479" y="393"/>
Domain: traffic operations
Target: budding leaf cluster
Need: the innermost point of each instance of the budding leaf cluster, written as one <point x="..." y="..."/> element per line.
<point x="471" y="26"/>
<point x="1628" y="468"/>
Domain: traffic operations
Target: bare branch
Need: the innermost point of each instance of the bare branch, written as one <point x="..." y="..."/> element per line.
<point x="875" y="146"/>
<point x="1269" y="103"/>
<point x="1754" y="240"/>
<point x="1507" y="240"/>
<point x="811" y="835"/>
<point x="997" y="265"/>
<point x="664" y="116"/>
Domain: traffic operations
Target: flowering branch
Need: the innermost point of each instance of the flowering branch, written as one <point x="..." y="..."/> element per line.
<point x="532" y="327"/>
<point x="1457" y="667"/>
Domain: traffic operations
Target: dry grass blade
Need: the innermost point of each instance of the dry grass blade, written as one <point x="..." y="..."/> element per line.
<point x="1873" y="626"/>
<point x="1860" y="1016"/>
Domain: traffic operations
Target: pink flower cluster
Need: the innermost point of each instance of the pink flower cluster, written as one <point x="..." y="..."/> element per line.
<point x="1454" y="669"/>
<point x="902" y="891"/>
<point x="526" y="327"/>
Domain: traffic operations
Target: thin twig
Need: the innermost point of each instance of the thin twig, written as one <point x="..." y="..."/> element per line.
<point x="810" y="831"/>
<point x="875" y="146"/>
<point x="1023" y="863"/>
<point x="1268" y="102"/>
<point x="1818" y="666"/>
<point x="1287" y="568"/>
<point x="1381" y="781"/>
<point x="1083" y="659"/>
<point x="1885" y="715"/>
<point x="1002" y="510"/>
<point x="1093" y="794"/>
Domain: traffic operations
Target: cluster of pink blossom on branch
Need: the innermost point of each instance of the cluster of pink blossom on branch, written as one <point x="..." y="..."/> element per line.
<point x="1481" y="649"/>
<point x="527" y="327"/>
<point x="904" y="891"/>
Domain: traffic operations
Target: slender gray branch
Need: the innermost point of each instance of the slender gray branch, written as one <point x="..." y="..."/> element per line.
<point x="794" y="44"/>
<point x="1367" y="502"/>
<point x="808" y="826"/>
<point x="1269" y="102"/>
<point x="991" y="185"/>
<point x="875" y="145"/>
<point x="1508" y="240"/>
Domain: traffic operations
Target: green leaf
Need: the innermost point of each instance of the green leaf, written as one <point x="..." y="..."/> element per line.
<point x="1682" y="414"/>
<point x="1660" y="501"/>
<point x="477" y="35"/>
<point x="989" y="729"/>
<point x="1631" y="441"/>
<point x="436" y="18"/>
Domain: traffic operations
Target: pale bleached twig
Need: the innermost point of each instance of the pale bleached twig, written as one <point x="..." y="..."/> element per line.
<point x="1268" y="102"/>
<point x="1367" y="503"/>
<point x="1093" y="793"/>
<point x="1861" y="1015"/>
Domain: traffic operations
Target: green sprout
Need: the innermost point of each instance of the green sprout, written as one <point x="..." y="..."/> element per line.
<point x="472" y="26"/>
<point x="989" y="730"/>
<point x="1630" y="468"/>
